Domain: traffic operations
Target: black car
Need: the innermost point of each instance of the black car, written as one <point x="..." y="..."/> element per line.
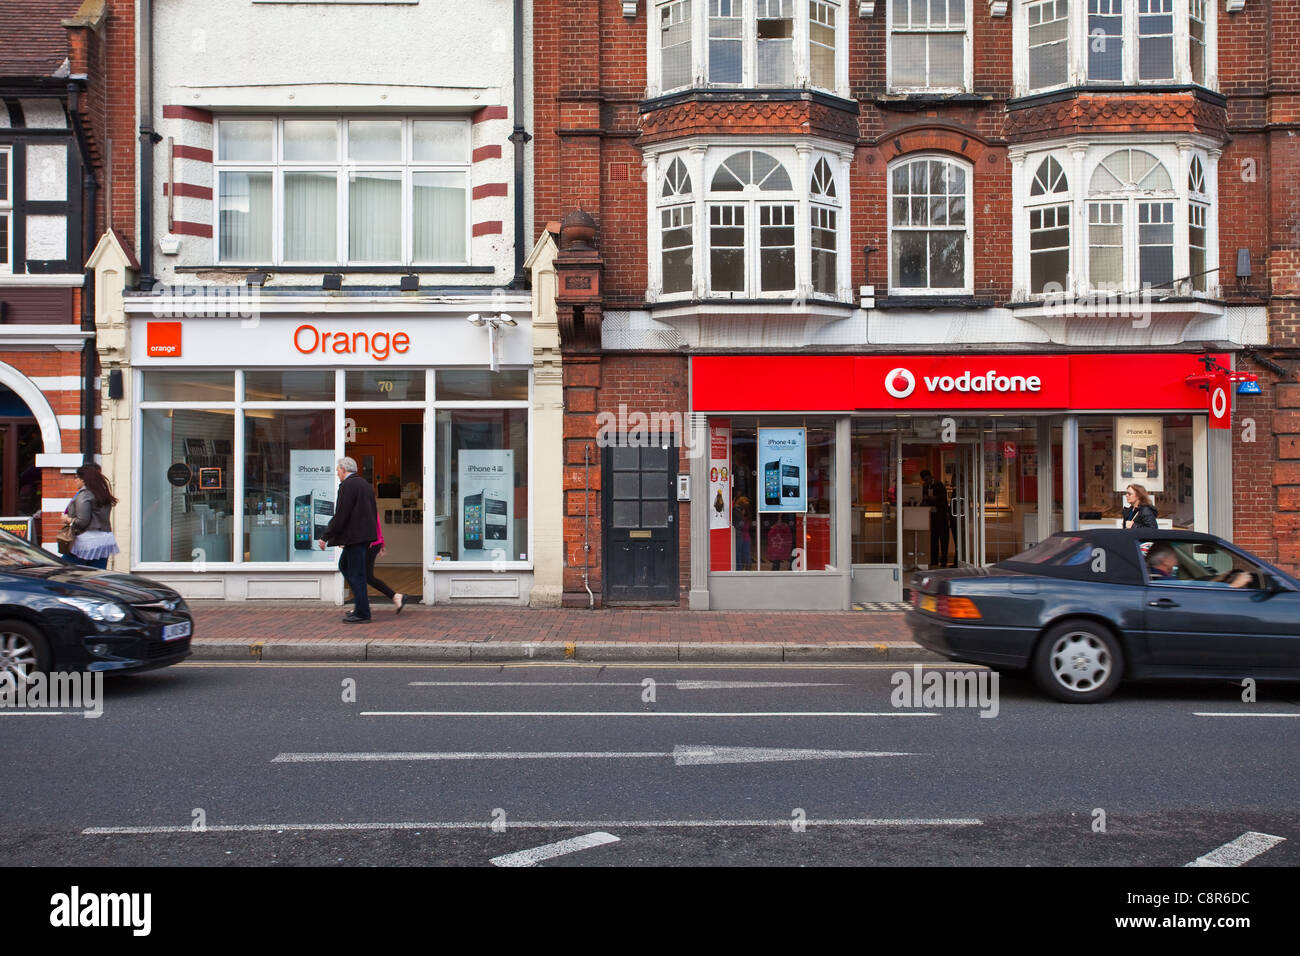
<point x="1086" y="609"/>
<point x="56" y="616"/>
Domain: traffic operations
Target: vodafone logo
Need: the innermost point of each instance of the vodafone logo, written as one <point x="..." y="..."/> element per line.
<point x="899" y="382"/>
<point x="1219" y="402"/>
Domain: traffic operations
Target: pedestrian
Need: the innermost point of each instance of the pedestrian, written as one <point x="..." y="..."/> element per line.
<point x="375" y="552"/>
<point x="935" y="496"/>
<point x="780" y="539"/>
<point x="353" y="527"/>
<point x="87" y="519"/>
<point x="743" y="540"/>
<point x="1139" y="511"/>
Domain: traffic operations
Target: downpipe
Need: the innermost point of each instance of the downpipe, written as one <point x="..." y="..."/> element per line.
<point x="586" y="527"/>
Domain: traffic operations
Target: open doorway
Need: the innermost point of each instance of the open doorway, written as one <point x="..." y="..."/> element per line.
<point x="388" y="446"/>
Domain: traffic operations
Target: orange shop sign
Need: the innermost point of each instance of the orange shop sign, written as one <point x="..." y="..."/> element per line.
<point x="163" y="339"/>
<point x="309" y="340"/>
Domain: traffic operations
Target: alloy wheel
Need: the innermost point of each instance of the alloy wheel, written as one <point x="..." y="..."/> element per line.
<point x="1081" y="661"/>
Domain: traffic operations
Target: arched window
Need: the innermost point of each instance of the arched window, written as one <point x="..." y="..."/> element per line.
<point x="824" y="228"/>
<point x="751" y="240"/>
<point x="1198" y="206"/>
<point x="1130" y="223"/>
<point x="929" y="226"/>
<point x="677" y="229"/>
<point x="1049" y="228"/>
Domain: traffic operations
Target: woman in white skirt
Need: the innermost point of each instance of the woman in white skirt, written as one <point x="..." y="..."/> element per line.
<point x="88" y="515"/>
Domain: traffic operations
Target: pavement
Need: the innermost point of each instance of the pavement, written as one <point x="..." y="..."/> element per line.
<point x="312" y="632"/>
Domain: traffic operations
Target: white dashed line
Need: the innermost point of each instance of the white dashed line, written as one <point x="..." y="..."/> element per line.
<point x="1240" y="851"/>
<point x="551" y="850"/>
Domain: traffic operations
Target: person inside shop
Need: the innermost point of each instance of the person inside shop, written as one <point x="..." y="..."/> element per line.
<point x="354" y="526"/>
<point x="935" y="496"/>
<point x="780" y="540"/>
<point x="1139" y="512"/>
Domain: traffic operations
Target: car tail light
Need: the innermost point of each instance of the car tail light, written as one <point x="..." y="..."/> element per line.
<point x="958" y="607"/>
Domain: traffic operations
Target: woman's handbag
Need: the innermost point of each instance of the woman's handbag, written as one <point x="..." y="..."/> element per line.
<point x="65" y="538"/>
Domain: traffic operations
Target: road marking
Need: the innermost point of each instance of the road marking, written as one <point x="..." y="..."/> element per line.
<point x="1233" y="714"/>
<point x="1239" y="851"/>
<point x="683" y="755"/>
<point x="680" y="685"/>
<point x="551" y="850"/>
<point x="644" y="713"/>
<point x="523" y="825"/>
<point x="597" y="665"/>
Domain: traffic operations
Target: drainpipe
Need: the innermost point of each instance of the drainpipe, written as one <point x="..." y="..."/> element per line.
<point x="147" y="139"/>
<point x="519" y="138"/>
<point x="586" y="513"/>
<point x="90" y="191"/>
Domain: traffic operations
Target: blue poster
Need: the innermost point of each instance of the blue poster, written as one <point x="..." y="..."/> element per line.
<point x="782" y="470"/>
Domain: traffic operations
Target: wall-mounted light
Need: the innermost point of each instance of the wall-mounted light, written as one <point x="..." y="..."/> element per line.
<point x="257" y="278"/>
<point x="1243" y="269"/>
<point x="866" y="9"/>
<point x="494" y="325"/>
<point x="629" y="9"/>
<point x="410" y="283"/>
<point x="332" y="281"/>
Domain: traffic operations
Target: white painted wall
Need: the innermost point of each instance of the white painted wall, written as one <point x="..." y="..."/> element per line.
<point x="401" y="58"/>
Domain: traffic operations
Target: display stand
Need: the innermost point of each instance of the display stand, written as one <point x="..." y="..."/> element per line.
<point x="916" y="519"/>
<point x="267" y="541"/>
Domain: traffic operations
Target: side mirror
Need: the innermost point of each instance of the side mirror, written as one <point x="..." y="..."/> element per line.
<point x="1271" y="584"/>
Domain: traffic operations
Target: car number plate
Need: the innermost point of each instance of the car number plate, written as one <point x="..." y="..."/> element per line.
<point x="174" y="632"/>
<point x="929" y="603"/>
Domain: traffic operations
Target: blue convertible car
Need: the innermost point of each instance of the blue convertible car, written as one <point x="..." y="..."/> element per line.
<point x="1084" y="610"/>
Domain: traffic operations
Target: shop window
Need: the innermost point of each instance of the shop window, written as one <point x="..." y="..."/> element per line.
<point x="187" y="386"/>
<point x="292" y="385"/>
<point x="874" y="493"/>
<point x="6" y="212"/>
<point x="1155" y="452"/>
<point x="385" y="385"/>
<point x="783" y="503"/>
<point x="290" y="485"/>
<point x="480" y="506"/>
<point x="332" y="192"/>
<point x="1115" y="42"/>
<point x="929" y="232"/>
<point x="186" y="485"/>
<point x="927" y="44"/>
<point x="476" y="386"/>
<point x="746" y="43"/>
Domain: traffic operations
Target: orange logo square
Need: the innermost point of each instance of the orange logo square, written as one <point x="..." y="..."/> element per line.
<point x="163" y="339"/>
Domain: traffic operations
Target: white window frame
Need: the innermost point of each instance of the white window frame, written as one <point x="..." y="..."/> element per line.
<point x="968" y="66"/>
<point x="702" y="158"/>
<point x="968" y="286"/>
<point x="7" y="210"/>
<point x="1079" y="40"/>
<point x="1049" y="200"/>
<point x="699" y="72"/>
<point x="407" y="167"/>
<point x="1080" y="157"/>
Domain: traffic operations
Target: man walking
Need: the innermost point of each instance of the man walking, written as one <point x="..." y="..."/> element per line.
<point x="353" y="528"/>
<point x="935" y="495"/>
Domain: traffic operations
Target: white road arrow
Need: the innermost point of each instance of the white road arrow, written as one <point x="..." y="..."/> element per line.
<point x="683" y="755"/>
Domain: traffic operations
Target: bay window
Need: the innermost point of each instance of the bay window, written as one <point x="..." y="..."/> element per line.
<point x="783" y="44"/>
<point x="929" y="226"/>
<point x="765" y="224"/>
<point x="1140" y="226"/>
<point x="1114" y="42"/>
<point x="332" y="192"/>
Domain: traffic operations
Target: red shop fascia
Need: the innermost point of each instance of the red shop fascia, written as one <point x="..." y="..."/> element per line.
<point x="899" y="384"/>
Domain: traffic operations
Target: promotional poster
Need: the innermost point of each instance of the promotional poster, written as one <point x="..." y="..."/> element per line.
<point x="782" y="470"/>
<point x="312" y="487"/>
<point x="1139" y="447"/>
<point x="485" y="530"/>
<point x="719" y="476"/>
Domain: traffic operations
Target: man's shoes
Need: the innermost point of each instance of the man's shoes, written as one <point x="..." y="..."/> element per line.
<point x="400" y="600"/>
<point x="353" y="619"/>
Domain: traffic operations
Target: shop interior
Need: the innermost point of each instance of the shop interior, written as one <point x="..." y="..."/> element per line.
<point x="389" y="452"/>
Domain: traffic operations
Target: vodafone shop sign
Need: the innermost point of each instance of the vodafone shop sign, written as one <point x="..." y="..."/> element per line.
<point x="907" y="383"/>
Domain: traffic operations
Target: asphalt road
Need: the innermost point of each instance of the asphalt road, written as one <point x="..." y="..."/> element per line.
<point x="252" y="764"/>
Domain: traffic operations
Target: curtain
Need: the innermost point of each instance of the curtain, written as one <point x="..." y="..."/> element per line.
<point x="310" y="217"/>
<point x="245" y="217"/>
<point x="375" y="217"/>
<point x="439" y="211"/>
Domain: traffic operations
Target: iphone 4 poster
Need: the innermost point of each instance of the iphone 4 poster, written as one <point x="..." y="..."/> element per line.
<point x="1139" y="444"/>
<point x="312" y="489"/>
<point x="486" y="505"/>
<point x="782" y="470"/>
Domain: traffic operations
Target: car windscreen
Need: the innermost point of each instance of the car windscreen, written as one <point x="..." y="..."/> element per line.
<point x="1081" y="558"/>
<point x="17" y="553"/>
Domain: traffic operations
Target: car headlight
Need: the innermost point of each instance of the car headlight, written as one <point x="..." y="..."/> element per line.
<point x="96" y="610"/>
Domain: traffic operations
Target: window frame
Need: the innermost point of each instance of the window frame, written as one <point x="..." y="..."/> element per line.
<point x="968" y="265"/>
<point x="1079" y="44"/>
<point x="698" y="74"/>
<point x="968" y="66"/>
<point x="702" y="159"/>
<point x="7" y="211"/>
<point x="407" y="167"/>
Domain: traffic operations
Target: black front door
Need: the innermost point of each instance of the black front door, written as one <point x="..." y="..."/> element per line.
<point x="639" y="518"/>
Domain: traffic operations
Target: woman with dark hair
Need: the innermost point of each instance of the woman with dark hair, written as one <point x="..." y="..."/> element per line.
<point x="1139" y="512"/>
<point x="88" y="516"/>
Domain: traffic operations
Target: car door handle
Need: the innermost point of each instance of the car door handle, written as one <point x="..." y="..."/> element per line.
<point x="1163" y="602"/>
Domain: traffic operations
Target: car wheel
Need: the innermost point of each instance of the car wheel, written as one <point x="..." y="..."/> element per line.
<point x="1079" y="662"/>
<point x="23" y="650"/>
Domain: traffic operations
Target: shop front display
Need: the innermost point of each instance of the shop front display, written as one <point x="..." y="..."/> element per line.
<point x="881" y="465"/>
